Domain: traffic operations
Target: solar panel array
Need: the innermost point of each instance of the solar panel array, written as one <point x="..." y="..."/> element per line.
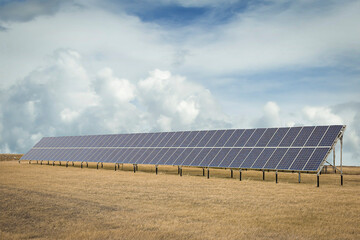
<point x="291" y="148"/>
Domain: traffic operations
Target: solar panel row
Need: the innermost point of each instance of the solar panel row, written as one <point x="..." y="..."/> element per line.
<point x="271" y="137"/>
<point x="296" y="148"/>
<point x="255" y="158"/>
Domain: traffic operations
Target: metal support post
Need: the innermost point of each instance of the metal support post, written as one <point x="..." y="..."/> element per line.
<point x="203" y="172"/>
<point x="87" y="164"/>
<point x="137" y="168"/>
<point x="208" y="173"/>
<point x="118" y="166"/>
<point x="178" y="170"/>
<point x="134" y="168"/>
<point x="41" y="162"/>
<point x="231" y="173"/>
<point x="263" y="175"/>
<point x="334" y="160"/>
<point x="317" y="180"/>
<point x="66" y="164"/>
<point x="341" y="170"/>
<point x="299" y="178"/>
<point x="102" y="166"/>
<point x="276" y="176"/>
<point x="48" y="162"/>
<point x="60" y="163"/>
<point x="240" y="174"/>
<point x="115" y="167"/>
<point x="72" y="163"/>
<point x="29" y="161"/>
<point x="97" y="166"/>
<point x="37" y="161"/>
<point x="81" y="165"/>
<point x="156" y="169"/>
<point x="53" y="163"/>
<point x="181" y="172"/>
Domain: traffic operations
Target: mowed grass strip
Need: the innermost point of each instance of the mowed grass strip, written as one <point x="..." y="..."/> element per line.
<point x="52" y="202"/>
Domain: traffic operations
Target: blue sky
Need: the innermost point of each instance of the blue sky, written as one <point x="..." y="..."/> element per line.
<point x="91" y="67"/>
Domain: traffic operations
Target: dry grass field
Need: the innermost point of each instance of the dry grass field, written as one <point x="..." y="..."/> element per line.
<point x="53" y="202"/>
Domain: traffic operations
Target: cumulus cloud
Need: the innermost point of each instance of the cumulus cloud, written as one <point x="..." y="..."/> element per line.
<point x="271" y="115"/>
<point x="62" y="98"/>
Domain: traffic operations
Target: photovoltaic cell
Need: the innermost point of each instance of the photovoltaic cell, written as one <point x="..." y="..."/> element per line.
<point x="166" y="153"/>
<point x="190" y="158"/>
<point x="330" y="135"/>
<point x="303" y="136"/>
<point x="234" y="138"/>
<point x="255" y="137"/>
<point x="172" y="157"/>
<point x="244" y="138"/>
<point x="215" y="138"/>
<point x="316" y="159"/>
<point x="182" y="156"/>
<point x="290" y="136"/>
<point x="238" y="160"/>
<point x="275" y="158"/>
<point x="263" y="158"/>
<point x="206" y="138"/>
<point x="288" y="158"/>
<point x="254" y="154"/>
<point x="278" y="137"/>
<point x="224" y="138"/>
<point x="230" y="157"/>
<point x="316" y="136"/>
<point x="216" y="160"/>
<point x="189" y="138"/>
<point x="302" y="159"/>
<point x="172" y="140"/>
<point x="201" y="157"/>
<point x="266" y="137"/>
<point x="182" y="138"/>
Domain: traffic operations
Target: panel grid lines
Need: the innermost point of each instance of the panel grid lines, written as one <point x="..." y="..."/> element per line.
<point x="291" y="148"/>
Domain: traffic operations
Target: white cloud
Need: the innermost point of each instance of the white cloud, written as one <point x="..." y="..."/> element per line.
<point x="321" y="116"/>
<point x="271" y="115"/>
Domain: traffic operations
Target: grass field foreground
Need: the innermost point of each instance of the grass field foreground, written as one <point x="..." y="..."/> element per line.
<point x="53" y="202"/>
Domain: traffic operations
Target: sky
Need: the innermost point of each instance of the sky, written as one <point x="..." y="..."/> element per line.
<point x="76" y="67"/>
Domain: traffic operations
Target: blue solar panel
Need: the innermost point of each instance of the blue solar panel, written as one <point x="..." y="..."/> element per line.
<point x="197" y="139"/>
<point x="190" y="158"/>
<point x="164" y="155"/>
<point x="234" y="138"/>
<point x="302" y="159"/>
<point x="303" y="136"/>
<point x="153" y="156"/>
<point x="288" y="159"/>
<point x="230" y="157"/>
<point x="172" y="140"/>
<point x="166" y="137"/>
<point x="182" y="156"/>
<point x="254" y="154"/>
<point x="238" y="160"/>
<point x="189" y="138"/>
<point x="278" y="137"/>
<point x="171" y="157"/>
<point x="330" y="135"/>
<point x="255" y="137"/>
<point x="316" y="136"/>
<point x="215" y="138"/>
<point x="156" y="140"/>
<point x="206" y="138"/>
<point x="316" y="159"/>
<point x="275" y="158"/>
<point x="244" y="138"/>
<point x="217" y="159"/>
<point x="290" y="137"/>
<point x="201" y="157"/>
<point x="266" y="137"/>
<point x="182" y="138"/>
<point x="263" y="158"/>
<point x="224" y="138"/>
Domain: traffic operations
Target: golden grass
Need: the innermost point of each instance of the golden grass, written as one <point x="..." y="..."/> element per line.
<point x="10" y="157"/>
<point x="46" y="202"/>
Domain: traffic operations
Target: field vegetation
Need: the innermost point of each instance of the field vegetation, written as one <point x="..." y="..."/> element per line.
<point x="53" y="202"/>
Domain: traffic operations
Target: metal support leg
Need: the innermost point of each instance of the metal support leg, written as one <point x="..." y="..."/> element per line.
<point x="29" y="161"/>
<point x="87" y="164"/>
<point x="299" y="178"/>
<point x="97" y="166"/>
<point x="341" y="170"/>
<point x="37" y="161"/>
<point x="178" y="170"/>
<point x="48" y="162"/>
<point x="181" y="172"/>
<point x="41" y="162"/>
<point x="334" y="160"/>
<point x="263" y="175"/>
<point x="156" y="169"/>
<point x="276" y="177"/>
<point x="317" y="180"/>
<point x="118" y="166"/>
<point x="208" y="173"/>
<point x="342" y="180"/>
<point x="102" y="166"/>
<point x="53" y="163"/>
<point x="72" y="163"/>
<point x="137" y="168"/>
<point x="81" y="165"/>
<point x="66" y="164"/>
<point x="115" y="167"/>
<point x="231" y="173"/>
<point x="60" y="163"/>
<point x="240" y="174"/>
<point x="134" y="168"/>
<point x="203" y="172"/>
